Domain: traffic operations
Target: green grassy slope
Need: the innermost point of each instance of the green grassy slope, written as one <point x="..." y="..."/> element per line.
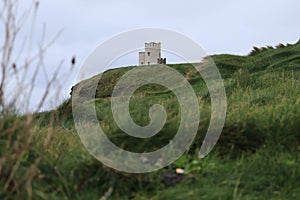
<point x="256" y="157"/>
<point x="256" y="85"/>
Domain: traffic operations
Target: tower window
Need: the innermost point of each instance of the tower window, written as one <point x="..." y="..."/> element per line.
<point x="148" y="53"/>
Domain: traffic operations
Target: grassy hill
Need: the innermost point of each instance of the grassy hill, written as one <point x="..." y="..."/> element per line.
<point x="256" y="157"/>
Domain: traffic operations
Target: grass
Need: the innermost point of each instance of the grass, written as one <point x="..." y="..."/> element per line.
<point x="256" y="157"/>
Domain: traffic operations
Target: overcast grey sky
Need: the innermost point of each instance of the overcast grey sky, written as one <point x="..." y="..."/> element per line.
<point x="229" y="26"/>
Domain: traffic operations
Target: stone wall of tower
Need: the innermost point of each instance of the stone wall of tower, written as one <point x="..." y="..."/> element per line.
<point x="141" y="58"/>
<point x="152" y="53"/>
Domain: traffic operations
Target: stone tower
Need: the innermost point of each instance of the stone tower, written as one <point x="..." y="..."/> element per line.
<point x="151" y="55"/>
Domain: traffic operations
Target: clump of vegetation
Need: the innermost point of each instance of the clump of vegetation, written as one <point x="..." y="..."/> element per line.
<point x="22" y="144"/>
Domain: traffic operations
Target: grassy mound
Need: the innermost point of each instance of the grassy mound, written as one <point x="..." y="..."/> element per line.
<point x="256" y="157"/>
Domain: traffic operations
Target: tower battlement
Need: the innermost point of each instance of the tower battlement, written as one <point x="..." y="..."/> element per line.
<point x="152" y="45"/>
